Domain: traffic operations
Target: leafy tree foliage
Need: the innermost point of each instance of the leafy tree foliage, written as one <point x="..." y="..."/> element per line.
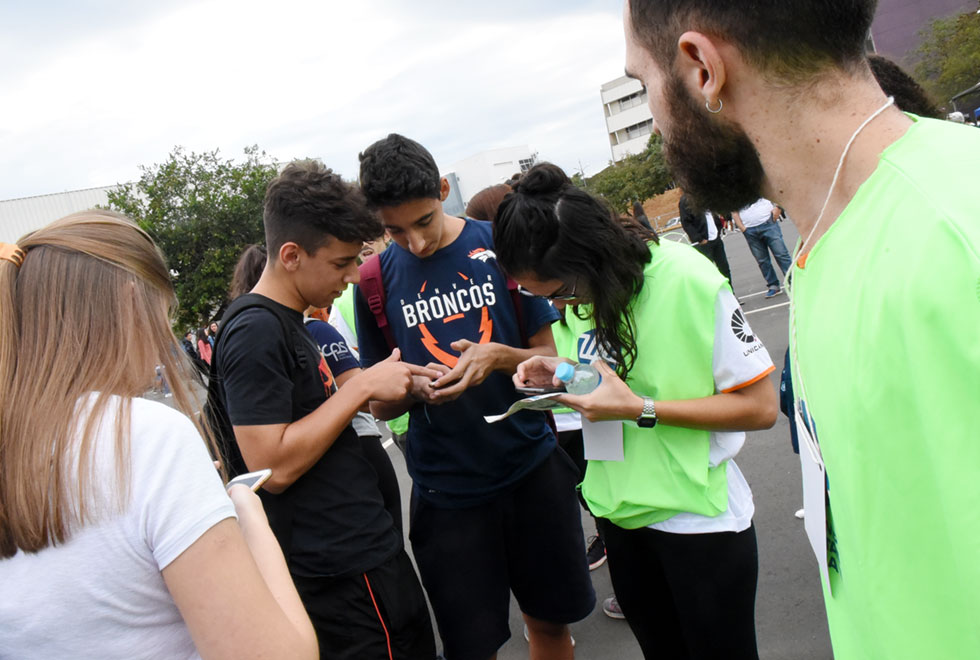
<point x="948" y="59"/>
<point x="202" y="211"/>
<point x="637" y="177"/>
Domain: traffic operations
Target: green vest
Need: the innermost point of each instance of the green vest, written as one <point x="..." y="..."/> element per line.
<point x="345" y="303"/>
<point x="665" y="471"/>
<point x="566" y="339"/>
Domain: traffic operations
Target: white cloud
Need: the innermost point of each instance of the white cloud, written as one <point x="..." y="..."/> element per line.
<point x="305" y="79"/>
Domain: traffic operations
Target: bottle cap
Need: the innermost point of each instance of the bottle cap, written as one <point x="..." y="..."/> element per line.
<point x="564" y="372"/>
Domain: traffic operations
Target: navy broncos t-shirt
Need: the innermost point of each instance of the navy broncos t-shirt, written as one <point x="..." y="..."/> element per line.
<point x="455" y="458"/>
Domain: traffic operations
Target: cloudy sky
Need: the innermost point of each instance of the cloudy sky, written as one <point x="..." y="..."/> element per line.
<point x="91" y="89"/>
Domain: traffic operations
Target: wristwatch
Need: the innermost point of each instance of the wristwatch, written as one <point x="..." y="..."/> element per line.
<point x="647" y="418"/>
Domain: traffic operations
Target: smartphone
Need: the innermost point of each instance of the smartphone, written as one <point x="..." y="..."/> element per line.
<point x="253" y="480"/>
<point x="539" y="390"/>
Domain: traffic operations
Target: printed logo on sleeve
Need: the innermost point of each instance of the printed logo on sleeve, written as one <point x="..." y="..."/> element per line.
<point x="740" y="326"/>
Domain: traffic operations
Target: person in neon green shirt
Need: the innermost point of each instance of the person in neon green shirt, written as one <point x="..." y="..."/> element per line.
<point x="885" y="292"/>
<point x="675" y="511"/>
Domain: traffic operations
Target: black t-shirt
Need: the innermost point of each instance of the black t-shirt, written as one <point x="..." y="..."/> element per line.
<point x="332" y="520"/>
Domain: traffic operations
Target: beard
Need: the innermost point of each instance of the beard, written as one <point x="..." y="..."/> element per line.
<point x="714" y="163"/>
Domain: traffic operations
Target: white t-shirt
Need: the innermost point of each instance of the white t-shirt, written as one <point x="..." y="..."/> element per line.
<point x="709" y="220"/>
<point x="101" y="595"/>
<point x="739" y="359"/>
<point x="757" y="213"/>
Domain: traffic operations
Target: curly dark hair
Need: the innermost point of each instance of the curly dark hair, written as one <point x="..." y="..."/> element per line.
<point x="789" y="40"/>
<point x="396" y="170"/>
<point x="308" y="203"/>
<point x="909" y="95"/>
<point x="553" y="230"/>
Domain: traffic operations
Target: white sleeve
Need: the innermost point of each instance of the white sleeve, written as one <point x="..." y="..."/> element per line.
<point x="739" y="358"/>
<point x="176" y="489"/>
<point x="336" y="319"/>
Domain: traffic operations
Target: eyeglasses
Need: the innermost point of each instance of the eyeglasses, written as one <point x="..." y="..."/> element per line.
<point x="554" y="296"/>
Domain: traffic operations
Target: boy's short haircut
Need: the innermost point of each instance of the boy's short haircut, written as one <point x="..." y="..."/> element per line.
<point x="396" y="170"/>
<point x="791" y="41"/>
<point x="309" y="203"/>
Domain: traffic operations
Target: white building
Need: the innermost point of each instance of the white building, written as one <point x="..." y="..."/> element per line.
<point x="488" y="168"/>
<point x="628" y="119"/>
<point x="25" y="214"/>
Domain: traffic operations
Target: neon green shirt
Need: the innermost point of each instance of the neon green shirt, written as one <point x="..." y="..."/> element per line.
<point x="666" y="470"/>
<point x="888" y="326"/>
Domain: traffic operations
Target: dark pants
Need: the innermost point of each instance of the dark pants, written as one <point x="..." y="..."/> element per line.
<point x="380" y="614"/>
<point x="527" y="540"/>
<point x="763" y="239"/>
<point x="686" y="596"/>
<point x="715" y="250"/>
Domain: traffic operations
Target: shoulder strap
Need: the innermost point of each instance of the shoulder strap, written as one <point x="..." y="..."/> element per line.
<point x="372" y="287"/>
<point x="515" y="298"/>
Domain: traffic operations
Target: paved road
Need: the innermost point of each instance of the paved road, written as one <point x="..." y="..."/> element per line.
<point x="790" y="617"/>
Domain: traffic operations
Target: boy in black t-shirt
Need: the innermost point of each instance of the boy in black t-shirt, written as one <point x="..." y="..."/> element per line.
<point x="344" y="552"/>
<point x="493" y="506"/>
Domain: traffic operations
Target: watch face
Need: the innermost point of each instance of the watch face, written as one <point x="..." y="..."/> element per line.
<point x="646" y="422"/>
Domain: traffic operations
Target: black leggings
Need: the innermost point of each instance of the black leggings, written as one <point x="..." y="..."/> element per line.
<point x="686" y="596"/>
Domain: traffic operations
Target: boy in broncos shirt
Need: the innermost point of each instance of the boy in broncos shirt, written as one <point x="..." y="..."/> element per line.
<point x="493" y="506"/>
<point x="344" y="552"/>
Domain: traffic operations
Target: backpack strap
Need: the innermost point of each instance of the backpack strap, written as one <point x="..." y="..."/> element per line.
<point x="372" y="287"/>
<point x="278" y="508"/>
<point x="515" y="298"/>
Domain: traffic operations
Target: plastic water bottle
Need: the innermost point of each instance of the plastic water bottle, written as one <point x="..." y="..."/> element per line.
<point x="579" y="378"/>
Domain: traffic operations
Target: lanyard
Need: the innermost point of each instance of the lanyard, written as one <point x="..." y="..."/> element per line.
<point x="790" y="288"/>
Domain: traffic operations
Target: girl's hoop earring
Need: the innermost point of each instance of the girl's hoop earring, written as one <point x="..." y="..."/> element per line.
<point x="707" y="105"/>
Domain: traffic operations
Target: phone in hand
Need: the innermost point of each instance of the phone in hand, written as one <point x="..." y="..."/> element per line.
<point x="253" y="480"/>
<point x="539" y="390"/>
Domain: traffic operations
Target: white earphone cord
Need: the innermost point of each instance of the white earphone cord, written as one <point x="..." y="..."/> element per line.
<point x="795" y="362"/>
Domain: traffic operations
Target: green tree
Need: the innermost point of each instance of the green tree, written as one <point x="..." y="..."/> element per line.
<point x="948" y="59"/>
<point x="202" y="211"/>
<point x="637" y="177"/>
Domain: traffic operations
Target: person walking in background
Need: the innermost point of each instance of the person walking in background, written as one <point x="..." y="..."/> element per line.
<point x="703" y="228"/>
<point x="117" y="538"/>
<point x="203" y="345"/>
<point x="757" y="222"/>
<point x="884" y="307"/>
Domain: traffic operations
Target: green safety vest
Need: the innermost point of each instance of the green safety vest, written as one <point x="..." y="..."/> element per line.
<point x="665" y="471"/>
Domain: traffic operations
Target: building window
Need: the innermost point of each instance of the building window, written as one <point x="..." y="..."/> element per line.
<point x="526" y="163"/>
<point x="639" y="130"/>
<point x="632" y="100"/>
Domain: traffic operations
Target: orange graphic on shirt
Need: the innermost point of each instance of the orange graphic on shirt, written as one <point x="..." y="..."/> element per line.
<point x="431" y="344"/>
<point x="326" y="376"/>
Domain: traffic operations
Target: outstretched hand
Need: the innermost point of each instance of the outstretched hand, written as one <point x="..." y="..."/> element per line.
<point x="613" y="399"/>
<point x="538" y="371"/>
<point x="392" y="380"/>
<point x="476" y="362"/>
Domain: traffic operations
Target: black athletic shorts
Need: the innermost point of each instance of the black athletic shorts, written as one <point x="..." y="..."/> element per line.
<point x="527" y="540"/>
<point x="379" y="615"/>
